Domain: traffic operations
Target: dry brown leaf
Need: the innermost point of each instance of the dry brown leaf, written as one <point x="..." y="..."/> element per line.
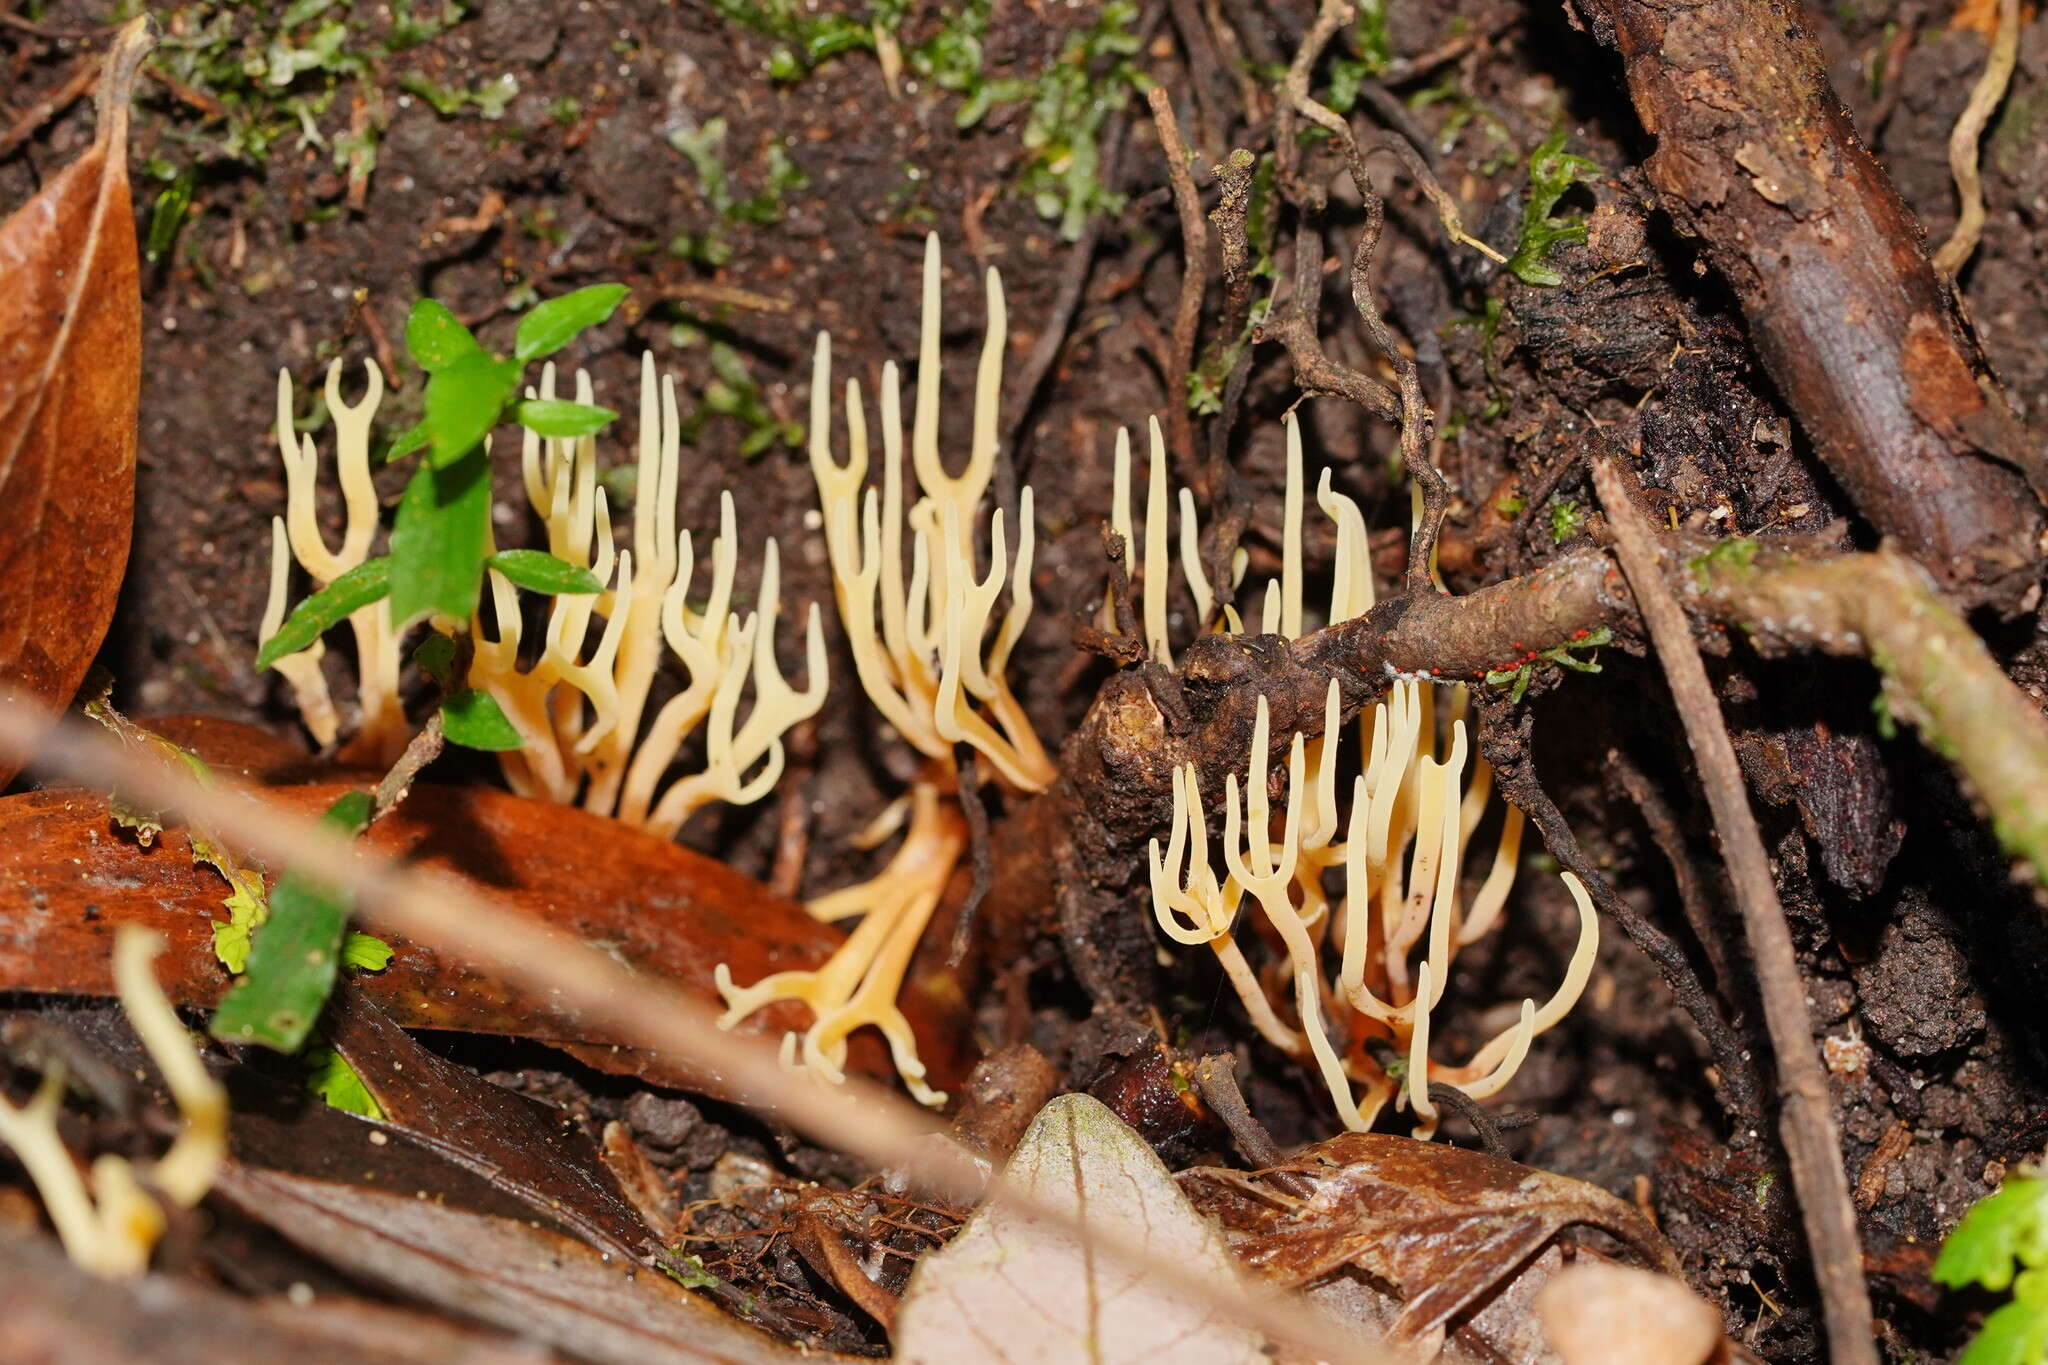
<point x="70" y="379"/>
<point x="1010" y="1289"/>
<point x="71" y="878"/>
<point x="1448" y="1229"/>
<point x="505" y="1273"/>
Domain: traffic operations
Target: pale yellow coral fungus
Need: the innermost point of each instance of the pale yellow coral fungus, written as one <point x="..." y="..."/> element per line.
<point x="579" y="698"/>
<point x="381" y="732"/>
<point x="580" y="706"/>
<point x="110" y="1222"/>
<point x="1402" y="850"/>
<point x="927" y="660"/>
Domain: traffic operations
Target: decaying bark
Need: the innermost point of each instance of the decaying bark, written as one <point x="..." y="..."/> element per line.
<point x="1073" y="860"/>
<point x="1758" y="158"/>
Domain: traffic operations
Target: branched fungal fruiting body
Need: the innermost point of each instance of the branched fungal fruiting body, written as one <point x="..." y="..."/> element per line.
<point x="110" y="1225"/>
<point x="929" y="664"/>
<point x="579" y="703"/>
<point x="580" y="708"/>
<point x="381" y="732"/>
<point x="1402" y="852"/>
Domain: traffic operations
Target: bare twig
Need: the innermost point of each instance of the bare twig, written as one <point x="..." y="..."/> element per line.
<point x="84" y="72"/>
<point x="976" y="811"/>
<point x="1194" y="283"/>
<point x="1969" y="130"/>
<point x="704" y="292"/>
<point x="1738" y="1088"/>
<point x="1022" y="395"/>
<point x="422" y="749"/>
<point x="1671" y="842"/>
<point x="1807" y="1122"/>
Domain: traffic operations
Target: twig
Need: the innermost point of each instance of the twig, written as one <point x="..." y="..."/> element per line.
<point x="1194" y="284"/>
<point x="793" y="824"/>
<point x="83" y="73"/>
<point x="718" y="296"/>
<point x="1203" y="71"/>
<point x="1738" y="1088"/>
<point x="9" y="19"/>
<point x="976" y="811"/>
<point x="1486" y="1126"/>
<point x="1314" y="371"/>
<point x="422" y="749"/>
<point x="1216" y="1080"/>
<point x="1806" y="1121"/>
<point x="1969" y="130"/>
<point x="1671" y="842"/>
<point x="1023" y="391"/>
<point x="448" y="914"/>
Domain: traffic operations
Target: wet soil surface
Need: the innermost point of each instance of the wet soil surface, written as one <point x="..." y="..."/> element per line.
<point x="526" y="149"/>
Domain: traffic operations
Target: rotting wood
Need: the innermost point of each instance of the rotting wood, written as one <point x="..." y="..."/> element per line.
<point x="1757" y="157"/>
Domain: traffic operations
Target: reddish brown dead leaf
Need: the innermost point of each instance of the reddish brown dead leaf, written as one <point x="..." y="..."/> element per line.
<point x="50" y="1310"/>
<point x="68" y="878"/>
<point x="498" y="1271"/>
<point x="1447" y="1228"/>
<point x="70" y="377"/>
<point x="532" y="1151"/>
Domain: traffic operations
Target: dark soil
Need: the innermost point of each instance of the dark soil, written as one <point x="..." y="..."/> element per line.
<point x="1925" y="964"/>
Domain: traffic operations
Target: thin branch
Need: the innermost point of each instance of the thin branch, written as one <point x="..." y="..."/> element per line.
<point x="1738" y="1087"/>
<point x="976" y="811"/>
<point x="1670" y="839"/>
<point x="1194" y="282"/>
<point x="1807" y="1122"/>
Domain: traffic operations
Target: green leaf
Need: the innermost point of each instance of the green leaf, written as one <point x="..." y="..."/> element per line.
<point x="436" y="659"/>
<point x="363" y="952"/>
<point x="366" y="583"/>
<point x="296" y="952"/>
<point x="436" y="337"/>
<point x="554" y="417"/>
<point x="414" y="437"/>
<point x="464" y="401"/>
<point x="550" y="326"/>
<point x="539" y="571"/>
<point x="439" y="540"/>
<point x="329" y="1076"/>
<point x="2001" y="1233"/>
<point x="472" y="719"/>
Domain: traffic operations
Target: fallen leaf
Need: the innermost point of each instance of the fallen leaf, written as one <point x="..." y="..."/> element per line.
<point x="50" y="1310"/>
<point x="1448" y="1229"/>
<point x="1011" y="1288"/>
<point x="531" y="1151"/>
<point x="70" y="878"/>
<point x="70" y="380"/>
<point x="501" y="1272"/>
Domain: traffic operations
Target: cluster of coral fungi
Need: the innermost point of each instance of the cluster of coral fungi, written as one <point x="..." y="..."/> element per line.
<point x="1340" y="989"/>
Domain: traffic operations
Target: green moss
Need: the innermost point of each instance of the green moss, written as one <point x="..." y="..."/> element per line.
<point x="1727" y="558"/>
<point x="1567" y="519"/>
<point x="1552" y="171"/>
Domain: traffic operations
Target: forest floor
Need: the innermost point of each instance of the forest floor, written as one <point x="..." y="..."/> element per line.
<point x="522" y="150"/>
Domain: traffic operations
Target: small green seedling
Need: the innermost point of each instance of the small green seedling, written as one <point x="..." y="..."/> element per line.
<point x="1518" y="675"/>
<point x="2001" y="1245"/>
<point x="1552" y="171"/>
<point x="440" y="540"/>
